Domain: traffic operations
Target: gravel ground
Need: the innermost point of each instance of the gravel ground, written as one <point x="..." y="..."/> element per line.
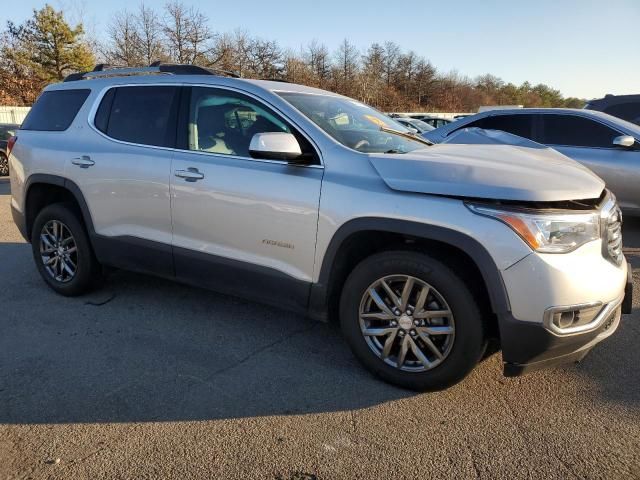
<point x="151" y="379"/>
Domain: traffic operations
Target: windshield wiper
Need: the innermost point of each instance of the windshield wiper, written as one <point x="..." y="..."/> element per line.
<point x="393" y="150"/>
<point x="406" y="135"/>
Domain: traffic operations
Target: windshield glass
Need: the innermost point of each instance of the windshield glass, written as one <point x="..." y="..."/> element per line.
<point x="354" y="124"/>
<point x="424" y="127"/>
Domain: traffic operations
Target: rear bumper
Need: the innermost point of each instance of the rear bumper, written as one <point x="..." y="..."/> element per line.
<point x="528" y="346"/>
<point x="20" y="221"/>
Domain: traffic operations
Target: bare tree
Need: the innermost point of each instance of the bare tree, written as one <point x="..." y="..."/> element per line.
<point x="223" y="53"/>
<point x="265" y="59"/>
<point x="346" y="67"/>
<point x="317" y="57"/>
<point x="391" y="54"/>
<point x="123" y="47"/>
<point x="187" y="34"/>
<point x="149" y="31"/>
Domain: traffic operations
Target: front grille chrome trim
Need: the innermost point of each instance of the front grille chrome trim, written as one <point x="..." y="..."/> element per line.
<point x="611" y="230"/>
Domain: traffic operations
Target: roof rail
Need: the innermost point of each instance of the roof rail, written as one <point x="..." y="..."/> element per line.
<point x="104" y="70"/>
<point x="187" y="69"/>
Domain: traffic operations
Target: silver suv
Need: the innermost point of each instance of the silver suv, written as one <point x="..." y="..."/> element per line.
<point x="308" y="200"/>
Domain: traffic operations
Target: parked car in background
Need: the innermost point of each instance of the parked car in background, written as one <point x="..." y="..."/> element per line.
<point x="626" y="107"/>
<point x="309" y="200"/>
<point x="418" y="125"/>
<point x="7" y="130"/>
<point x="435" y="122"/>
<point x="607" y="145"/>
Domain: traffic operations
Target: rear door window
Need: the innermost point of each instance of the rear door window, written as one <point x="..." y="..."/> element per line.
<point x="140" y="114"/>
<point x="572" y="130"/>
<point x="55" y="110"/>
<point x="521" y="124"/>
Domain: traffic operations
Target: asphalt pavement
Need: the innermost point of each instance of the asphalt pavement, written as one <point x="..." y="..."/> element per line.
<point x="151" y="379"/>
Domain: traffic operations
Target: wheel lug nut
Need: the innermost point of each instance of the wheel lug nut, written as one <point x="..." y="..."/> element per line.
<point x="416" y="322"/>
<point x="409" y="311"/>
<point x="401" y="333"/>
<point x="394" y="323"/>
<point x="396" y="312"/>
<point x="413" y="333"/>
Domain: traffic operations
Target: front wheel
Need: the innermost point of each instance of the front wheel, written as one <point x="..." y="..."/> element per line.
<point x="411" y="321"/>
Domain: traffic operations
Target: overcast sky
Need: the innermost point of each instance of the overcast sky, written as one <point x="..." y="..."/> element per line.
<point x="583" y="48"/>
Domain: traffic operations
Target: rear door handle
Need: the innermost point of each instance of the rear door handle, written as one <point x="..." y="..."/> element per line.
<point x="190" y="174"/>
<point x="83" y="162"/>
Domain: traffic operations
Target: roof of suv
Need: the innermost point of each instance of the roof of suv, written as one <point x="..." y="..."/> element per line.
<point x="155" y="78"/>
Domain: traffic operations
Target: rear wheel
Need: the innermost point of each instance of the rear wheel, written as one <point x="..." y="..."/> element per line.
<point x="4" y="165"/>
<point x="411" y="321"/>
<point x="62" y="251"/>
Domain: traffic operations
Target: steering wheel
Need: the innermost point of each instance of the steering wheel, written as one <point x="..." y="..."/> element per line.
<point x="361" y="143"/>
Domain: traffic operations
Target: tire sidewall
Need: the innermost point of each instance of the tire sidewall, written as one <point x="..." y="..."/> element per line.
<point x="469" y="342"/>
<point x="86" y="272"/>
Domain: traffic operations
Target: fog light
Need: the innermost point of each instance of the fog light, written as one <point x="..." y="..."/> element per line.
<point x="566" y="319"/>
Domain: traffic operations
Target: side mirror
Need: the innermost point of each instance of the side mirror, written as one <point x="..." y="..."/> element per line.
<point x="275" y="146"/>
<point x="624" y="141"/>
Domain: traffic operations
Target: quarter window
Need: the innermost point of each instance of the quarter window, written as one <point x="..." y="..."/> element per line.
<point x="572" y="130"/>
<point x="144" y="115"/>
<point x="55" y="110"/>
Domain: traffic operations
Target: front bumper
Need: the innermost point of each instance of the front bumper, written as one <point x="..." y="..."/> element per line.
<point x="528" y="346"/>
<point x="542" y="283"/>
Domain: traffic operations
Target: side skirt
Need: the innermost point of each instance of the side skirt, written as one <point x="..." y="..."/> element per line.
<point x="224" y="275"/>
<point x="241" y="279"/>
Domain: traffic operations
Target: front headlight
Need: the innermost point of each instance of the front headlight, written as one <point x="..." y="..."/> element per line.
<point x="547" y="232"/>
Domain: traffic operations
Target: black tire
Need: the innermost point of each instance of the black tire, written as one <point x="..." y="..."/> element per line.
<point x="4" y="165"/>
<point x="469" y="342"/>
<point x="88" y="273"/>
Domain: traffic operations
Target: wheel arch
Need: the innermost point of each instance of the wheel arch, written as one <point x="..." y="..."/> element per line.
<point x="335" y="266"/>
<point x="44" y="189"/>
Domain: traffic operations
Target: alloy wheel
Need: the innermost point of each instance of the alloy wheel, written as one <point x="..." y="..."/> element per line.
<point x="407" y="323"/>
<point x="58" y="251"/>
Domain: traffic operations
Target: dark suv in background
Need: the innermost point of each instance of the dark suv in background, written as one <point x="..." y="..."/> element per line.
<point x="626" y="107"/>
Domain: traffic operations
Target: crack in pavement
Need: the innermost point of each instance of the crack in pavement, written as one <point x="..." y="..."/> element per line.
<point x="252" y="355"/>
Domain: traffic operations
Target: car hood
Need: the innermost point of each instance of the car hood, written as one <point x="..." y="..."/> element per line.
<point x="493" y="171"/>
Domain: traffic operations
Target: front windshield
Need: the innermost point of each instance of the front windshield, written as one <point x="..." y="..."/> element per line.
<point x="354" y="124"/>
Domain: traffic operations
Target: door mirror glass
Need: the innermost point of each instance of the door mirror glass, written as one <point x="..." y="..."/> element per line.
<point x="275" y="146"/>
<point x="624" y="141"/>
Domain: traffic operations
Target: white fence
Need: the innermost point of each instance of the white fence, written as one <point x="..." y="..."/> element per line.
<point x="13" y="114"/>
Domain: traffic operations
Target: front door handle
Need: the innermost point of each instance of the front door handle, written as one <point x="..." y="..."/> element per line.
<point x="83" y="162"/>
<point x="190" y="174"/>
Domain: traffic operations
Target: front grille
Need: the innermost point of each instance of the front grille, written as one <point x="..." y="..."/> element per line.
<point x="612" y="233"/>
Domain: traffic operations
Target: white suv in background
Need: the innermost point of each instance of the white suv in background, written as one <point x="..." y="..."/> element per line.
<point x="312" y="201"/>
